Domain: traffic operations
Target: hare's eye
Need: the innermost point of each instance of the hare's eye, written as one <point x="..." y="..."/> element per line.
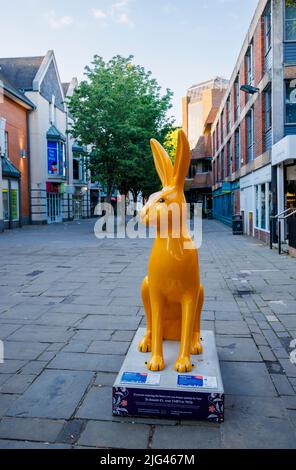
<point x="161" y="200"/>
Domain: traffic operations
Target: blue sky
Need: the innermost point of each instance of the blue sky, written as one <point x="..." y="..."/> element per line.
<point x="181" y="41"/>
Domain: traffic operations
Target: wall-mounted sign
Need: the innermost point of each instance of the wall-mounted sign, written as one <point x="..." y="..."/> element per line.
<point x="52" y="158"/>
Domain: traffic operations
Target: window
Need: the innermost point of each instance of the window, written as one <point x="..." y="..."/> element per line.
<point x="263" y="201"/>
<point x="267" y="29"/>
<point x="56" y="159"/>
<point x="214" y="142"/>
<point x="257" y="205"/>
<point x="6" y="147"/>
<point x="206" y="166"/>
<point x="290" y="20"/>
<point x="250" y="65"/>
<point x="268" y="109"/>
<point x="290" y="101"/>
<point x="222" y="127"/>
<point x="263" y="207"/>
<point x="250" y="128"/>
<point x="229" y="148"/>
<point x="5" y="199"/>
<point x="223" y="165"/>
<point x="237" y="98"/>
<point x="218" y="169"/>
<point x="237" y="149"/>
<point x="75" y="169"/>
<point x="228" y="115"/>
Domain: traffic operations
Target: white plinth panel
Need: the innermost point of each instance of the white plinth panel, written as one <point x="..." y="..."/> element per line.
<point x="169" y="394"/>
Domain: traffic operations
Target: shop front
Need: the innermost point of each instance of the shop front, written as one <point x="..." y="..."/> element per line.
<point x="11" y="195"/>
<point x="226" y="202"/>
<point x="284" y="162"/>
<point x="54" y="194"/>
<point x="256" y="203"/>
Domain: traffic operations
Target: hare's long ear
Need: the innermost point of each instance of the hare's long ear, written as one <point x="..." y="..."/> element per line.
<point x="163" y="164"/>
<point x="182" y="160"/>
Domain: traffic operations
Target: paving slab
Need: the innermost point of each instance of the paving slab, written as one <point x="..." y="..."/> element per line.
<point x="42" y="333"/>
<point x="23" y="349"/>
<point x="115" y="435"/>
<point x="186" y="437"/>
<point x="55" y="395"/>
<point x="88" y="362"/>
<point x="232" y="328"/>
<point x="109" y="347"/>
<point x="30" y="429"/>
<point x="110" y="322"/>
<point x="247" y="378"/>
<point x="232" y="348"/>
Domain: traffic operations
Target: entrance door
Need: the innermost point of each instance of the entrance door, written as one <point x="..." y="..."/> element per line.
<point x="54" y="206"/>
<point x="77" y="207"/>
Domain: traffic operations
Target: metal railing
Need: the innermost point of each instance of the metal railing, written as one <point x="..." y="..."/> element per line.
<point x="282" y="216"/>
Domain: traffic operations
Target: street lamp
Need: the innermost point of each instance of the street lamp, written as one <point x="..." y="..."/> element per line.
<point x="249" y="89"/>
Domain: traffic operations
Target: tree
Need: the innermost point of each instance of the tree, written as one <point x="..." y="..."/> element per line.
<point x="116" y="111"/>
<point x="170" y="142"/>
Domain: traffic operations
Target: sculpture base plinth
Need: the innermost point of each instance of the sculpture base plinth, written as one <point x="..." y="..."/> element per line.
<point x="198" y="395"/>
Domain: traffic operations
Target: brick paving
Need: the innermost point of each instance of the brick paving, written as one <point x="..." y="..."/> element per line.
<point x="70" y="305"/>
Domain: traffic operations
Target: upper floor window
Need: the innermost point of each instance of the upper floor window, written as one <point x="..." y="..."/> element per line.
<point x="250" y="65"/>
<point x="291" y="101"/>
<point x="214" y="142"/>
<point x="268" y="109"/>
<point x="56" y="158"/>
<point x="229" y="146"/>
<point x="250" y="130"/>
<point x="290" y="20"/>
<point x="6" y="148"/>
<point x="237" y="97"/>
<point x="237" y="149"/>
<point x="228" y="115"/>
<point x="222" y="165"/>
<point x="78" y="169"/>
<point x="222" y="127"/>
<point x="267" y="29"/>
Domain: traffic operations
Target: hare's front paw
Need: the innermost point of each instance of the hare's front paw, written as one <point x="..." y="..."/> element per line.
<point x="196" y="346"/>
<point x="156" y="363"/>
<point x="183" y="364"/>
<point x="145" y="344"/>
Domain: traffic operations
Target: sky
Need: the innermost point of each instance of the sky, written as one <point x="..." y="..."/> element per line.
<point x="182" y="42"/>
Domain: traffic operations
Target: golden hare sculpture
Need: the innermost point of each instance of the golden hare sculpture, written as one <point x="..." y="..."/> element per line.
<point x="172" y="293"/>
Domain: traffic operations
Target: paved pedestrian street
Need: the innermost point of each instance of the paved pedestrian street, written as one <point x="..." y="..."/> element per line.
<point x="70" y="305"/>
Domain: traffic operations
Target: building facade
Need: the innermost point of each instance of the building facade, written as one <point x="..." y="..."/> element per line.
<point x="53" y="195"/>
<point x="199" y="110"/>
<point x="14" y="156"/>
<point x="78" y="188"/>
<point x="253" y="135"/>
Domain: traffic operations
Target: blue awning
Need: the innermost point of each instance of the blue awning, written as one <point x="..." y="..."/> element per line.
<point x="9" y="170"/>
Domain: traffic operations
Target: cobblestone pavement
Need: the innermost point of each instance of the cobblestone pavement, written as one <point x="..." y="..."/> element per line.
<point x="69" y="307"/>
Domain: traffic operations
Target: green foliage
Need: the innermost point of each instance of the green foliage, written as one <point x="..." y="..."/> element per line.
<point x="116" y="111"/>
<point x="170" y="142"/>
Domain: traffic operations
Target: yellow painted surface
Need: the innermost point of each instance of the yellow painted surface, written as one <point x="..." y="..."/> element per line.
<point x="172" y="293"/>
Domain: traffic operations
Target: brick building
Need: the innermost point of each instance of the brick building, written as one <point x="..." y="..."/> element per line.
<point x="254" y="133"/>
<point x="14" y="156"/>
<point x="200" y="106"/>
<point x="59" y="185"/>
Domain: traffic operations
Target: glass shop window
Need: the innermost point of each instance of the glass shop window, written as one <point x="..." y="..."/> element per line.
<point x="290" y="20"/>
<point x="291" y="101"/>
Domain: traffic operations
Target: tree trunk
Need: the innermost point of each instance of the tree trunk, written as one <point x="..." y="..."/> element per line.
<point x="135" y="198"/>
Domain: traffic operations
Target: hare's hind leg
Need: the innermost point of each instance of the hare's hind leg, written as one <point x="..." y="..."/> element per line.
<point x="183" y="364"/>
<point x="196" y="346"/>
<point x="145" y="343"/>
